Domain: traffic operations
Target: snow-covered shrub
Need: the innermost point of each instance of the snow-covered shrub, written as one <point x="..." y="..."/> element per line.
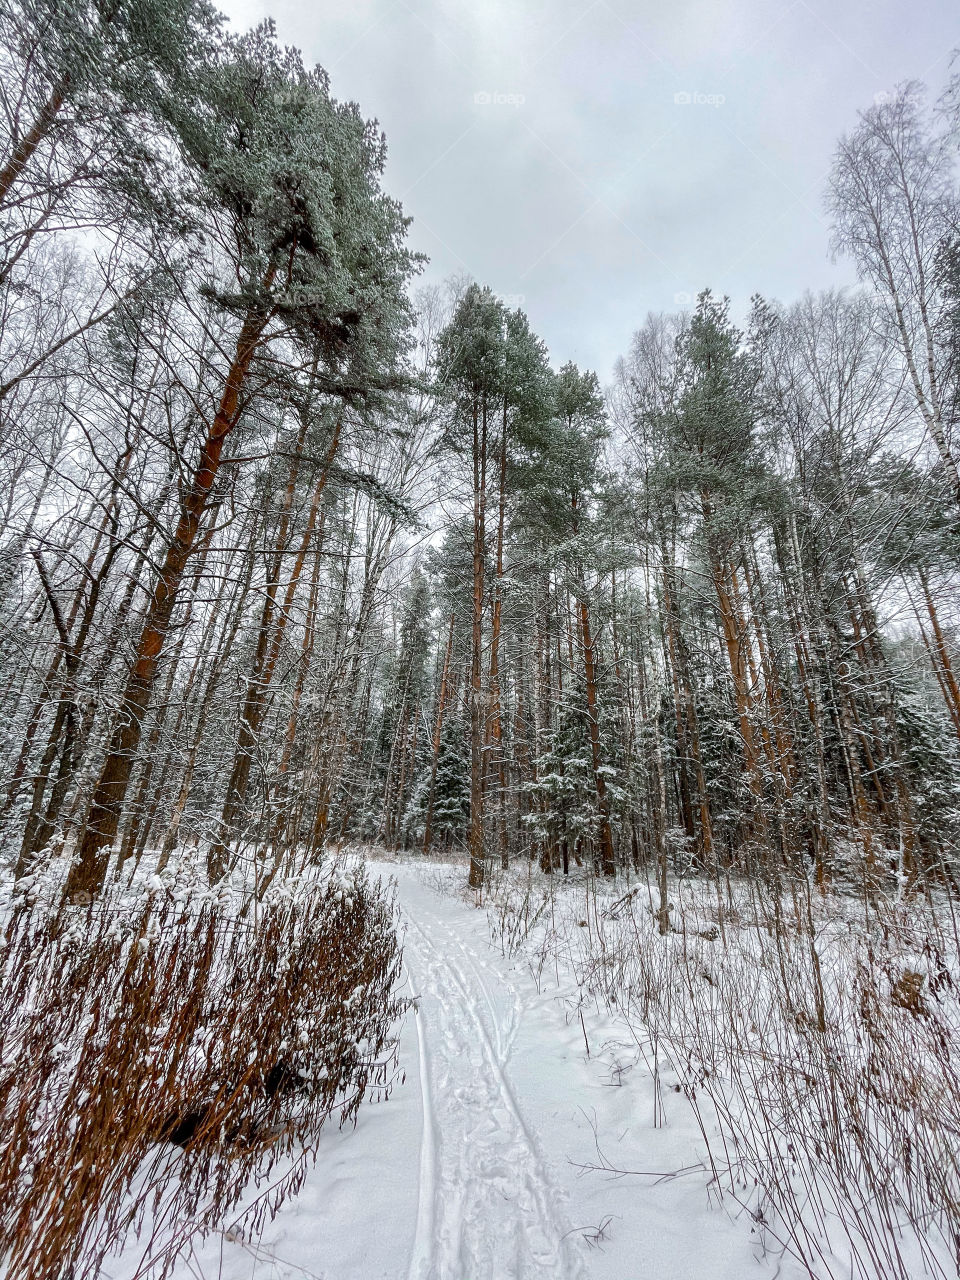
<point x="817" y="1045"/>
<point x="162" y="1047"/>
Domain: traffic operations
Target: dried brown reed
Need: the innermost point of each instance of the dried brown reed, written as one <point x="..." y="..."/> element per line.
<point x="159" y="1055"/>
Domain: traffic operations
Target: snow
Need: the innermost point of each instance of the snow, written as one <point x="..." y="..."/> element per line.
<point x="483" y="1163"/>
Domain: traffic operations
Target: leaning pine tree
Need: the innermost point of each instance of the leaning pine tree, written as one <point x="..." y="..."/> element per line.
<point x="288" y="183"/>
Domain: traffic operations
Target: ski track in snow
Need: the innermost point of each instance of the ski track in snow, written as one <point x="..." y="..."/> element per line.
<point x="470" y="1173"/>
<point x="487" y="1206"/>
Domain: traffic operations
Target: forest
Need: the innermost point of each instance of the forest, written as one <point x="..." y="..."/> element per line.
<point x="294" y="552"/>
<point x="300" y="555"/>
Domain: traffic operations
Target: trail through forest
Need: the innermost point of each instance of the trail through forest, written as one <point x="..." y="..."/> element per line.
<point x="488" y="1204"/>
<point x="483" y="1163"/>
<point x="309" y="553"/>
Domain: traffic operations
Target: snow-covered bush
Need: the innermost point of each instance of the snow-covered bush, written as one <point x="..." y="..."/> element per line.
<point x="817" y="1046"/>
<point x="164" y="1046"/>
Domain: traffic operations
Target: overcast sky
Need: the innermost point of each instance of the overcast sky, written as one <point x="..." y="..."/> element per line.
<point x="592" y="160"/>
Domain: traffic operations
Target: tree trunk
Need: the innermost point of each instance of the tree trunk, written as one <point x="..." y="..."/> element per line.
<point x="268" y="651"/>
<point x="437" y="729"/>
<point x="89" y="870"/>
<point x="495" y="731"/>
<point x="949" y="680"/>
<point x="25" y="148"/>
<point x="477" y="718"/>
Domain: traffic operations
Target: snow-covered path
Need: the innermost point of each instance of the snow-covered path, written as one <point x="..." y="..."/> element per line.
<point x="487" y="1205"/>
<point x="474" y="1167"/>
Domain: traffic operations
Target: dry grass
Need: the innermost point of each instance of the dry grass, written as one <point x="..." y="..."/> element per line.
<point x="819" y="1050"/>
<point x="160" y="1050"/>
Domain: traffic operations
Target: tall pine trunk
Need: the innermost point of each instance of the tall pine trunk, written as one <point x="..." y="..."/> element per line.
<point x="269" y="641"/>
<point x="477" y="718"/>
<point x="89" y="870"/>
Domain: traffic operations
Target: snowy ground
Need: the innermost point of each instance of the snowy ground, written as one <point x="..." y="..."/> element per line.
<point x="479" y="1165"/>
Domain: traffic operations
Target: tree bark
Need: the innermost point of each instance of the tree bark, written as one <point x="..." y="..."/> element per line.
<point x="89" y="870"/>
<point x="25" y="148"/>
<point x="477" y="718"/>
<point x="269" y="642"/>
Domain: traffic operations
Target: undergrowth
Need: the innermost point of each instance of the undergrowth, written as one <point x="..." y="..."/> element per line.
<point x="817" y="1046"/>
<point x="163" y="1048"/>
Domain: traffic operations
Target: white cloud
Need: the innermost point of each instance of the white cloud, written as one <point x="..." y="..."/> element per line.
<point x="576" y="180"/>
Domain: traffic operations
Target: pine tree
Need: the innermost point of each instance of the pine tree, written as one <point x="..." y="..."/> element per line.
<point x="289" y="183"/>
<point x="471" y="371"/>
